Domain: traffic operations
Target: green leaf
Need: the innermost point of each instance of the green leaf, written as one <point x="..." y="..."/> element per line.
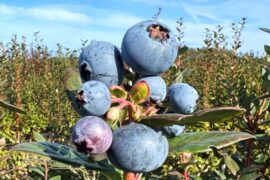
<point x="265" y="30"/>
<point x="38" y="137"/>
<point x="231" y="164"/>
<point x="203" y="141"/>
<point x="37" y="170"/>
<point x="3" y="82"/>
<point x="264" y="122"/>
<point x="266" y="78"/>
<point x="112" y="176"/>
<point x="267" y="49"/>
<point x="62" y="153"/>
<point x="209" y="115"/>
<point x="118" y="92"/>
<point x="220" y="174"/>
<point x="139" y="92"/>
<point x="250" y="176"/>
<point x="55" y="178"/>
<point x="251" y="168"/>
<point x="182" y="75"/>
<point x="72" y="80"/>
<point x="182" y="50"/>
<point x="11" y="107"/>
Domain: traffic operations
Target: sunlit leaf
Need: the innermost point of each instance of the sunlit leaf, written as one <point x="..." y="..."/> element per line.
<point x="61" y="153"/>
<point x="55" y="178"/>
<point x="250" y="176"/>
<point x="38" y="137"/>
<point x="267" y="49"/>
<point x="181" y="76"/>
<point x="203" y="141"/>
<point x="72" y="80"/>
<point x="139" y="92"/>
<point x="118" y="92"/>
<point x="37" y="170"/>
<point x="266" y="78"/>
<point x="11" y="107"/>
<point x="231" y="164"/>
<point x="209" y="115"/>
<point x="265" y="30"/>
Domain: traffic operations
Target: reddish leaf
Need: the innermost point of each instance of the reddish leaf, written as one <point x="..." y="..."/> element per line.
<point x="140" y="92"/>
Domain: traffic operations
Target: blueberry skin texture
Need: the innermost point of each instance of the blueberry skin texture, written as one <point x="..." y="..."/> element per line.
<point x="92" y="135"/>
<point x="96" y="99"/>
<point x="145" y="55"/>
<point x="157" y="87"/>
<point x="101" y="61"/>
<point x="138" y="148"/>
<point x="173" y="131"/>
<point x="182" y="98"/>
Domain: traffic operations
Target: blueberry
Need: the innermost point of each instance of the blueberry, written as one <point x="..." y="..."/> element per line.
<point x="174" y="130"/>
<point x="149" y="47"/>
<point x="182" y="98"/>
<point x="92" y="135"/>
<point x="157" y="87"/>
<point x="101" y="61"/>
<point x="93" y="98"/>
<point x="138" y="148"/>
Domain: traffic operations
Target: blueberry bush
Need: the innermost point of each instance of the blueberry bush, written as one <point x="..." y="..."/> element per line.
<point x="44" y="99"/>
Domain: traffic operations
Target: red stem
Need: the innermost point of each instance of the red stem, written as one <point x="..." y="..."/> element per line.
<point x="186" y="175"/>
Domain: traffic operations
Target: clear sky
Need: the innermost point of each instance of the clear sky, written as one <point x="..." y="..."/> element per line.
<point x="68" y="21"/>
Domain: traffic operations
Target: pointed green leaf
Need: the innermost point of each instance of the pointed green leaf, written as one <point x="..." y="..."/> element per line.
<point x="139" y="92"/>
<point x="3" y="82"/>
<point x="251" y="168"/>
<point x="182" y="50"/>
<point x="61" y="153"/>
<point x="267" y="49"/>
<point x="72" y="80"/>
<point x="112" y="175"/>
<point x="118" y="92"/>
<point x="266" y="78"/>
<point x="38" y="137"/>
<point x="184" y="74"/>
<point x="220" y="174"/>
<point x="11" y="107"/>
<point x="203" y="141"/>
<point x="231" y="164"/>
<point x="265" y="30"/>
<point x="55" y="178"/>
<point x="250" y="176"/>
<point x="209" y="115"/>
<point x="37" y="170"/>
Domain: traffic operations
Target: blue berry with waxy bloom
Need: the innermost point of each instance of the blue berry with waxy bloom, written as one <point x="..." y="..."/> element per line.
<point x="182" y="98"/>
<point x="173" y="130"/>
<point x="157" y="87"/>
<point x="138" y="148"/>
<point x="92" y="135"/>
<point x="149" y="47"/>
<point x="93" y="98"/>
<point x="101" y="61"/>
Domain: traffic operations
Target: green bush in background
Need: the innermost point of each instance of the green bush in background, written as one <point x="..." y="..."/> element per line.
<point x="32" y="79"/>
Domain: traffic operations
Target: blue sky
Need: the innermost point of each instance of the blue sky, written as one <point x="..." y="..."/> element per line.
<point x="68" y="22"/>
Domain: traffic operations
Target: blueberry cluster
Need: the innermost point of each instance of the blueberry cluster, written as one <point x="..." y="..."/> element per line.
<point x="148" y="48"/>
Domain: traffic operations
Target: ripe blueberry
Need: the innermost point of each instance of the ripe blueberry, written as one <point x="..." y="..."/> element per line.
<point x="138" y="148"/>
<point x="149" y="47"/>
<point x="101" y="61"/>
<point x="93" y="98"/>
<point x="182" y="98"/>
<point x="92" y="135"/>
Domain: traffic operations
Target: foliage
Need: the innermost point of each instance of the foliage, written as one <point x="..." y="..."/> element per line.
<point x="31" y="81"/>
